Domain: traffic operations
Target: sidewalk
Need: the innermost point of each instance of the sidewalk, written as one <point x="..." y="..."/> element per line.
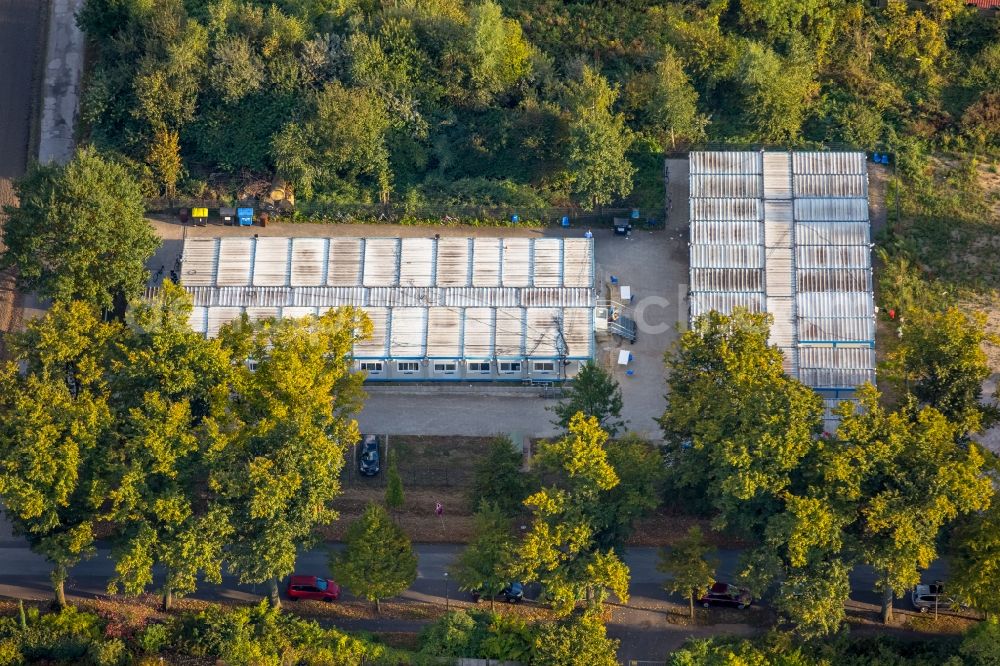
<point x="61" y="90"/>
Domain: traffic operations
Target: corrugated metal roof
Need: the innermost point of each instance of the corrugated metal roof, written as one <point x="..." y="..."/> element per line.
<point x="444" y="333"/>
<point x="727" y="233"/>
<point x="727" y="256"/>
<point x="814" y="274"/>
<point x="308" y="263"/>
<point x="725" y="302"/>
<point x="832" y="233"/>
<point x="345" y="261"/>
<point x="578" y="262"/>
<point x="235" y="262"/>
<point x="381" y="262"/>
<point x="453" y="265"/>
<point x="722" y="162"/>
<point x="833" y="210"/>
<point x="529" y="295"/>
<point x="416" y="263"/>
<point x="516" y="262"/>
<point x="200" y="257"/>
<point x="804" y="162"/>
<point x="726" y="186"/>
<point x="727" y="209"/>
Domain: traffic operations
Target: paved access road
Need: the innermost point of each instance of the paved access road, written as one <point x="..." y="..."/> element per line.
<point x="642" y="627"/>
<point x="21" y="43"/>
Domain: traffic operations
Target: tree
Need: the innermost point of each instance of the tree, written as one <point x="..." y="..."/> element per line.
<point x="54" y="421"/>
<point x="598" y="142"/>
<point x="343" y="140"/>
<point x="281" y="453"/>
<point x="165" y="160"/>
<point x="579" y="640"/>
<point x="736" y="428"/>
<point x="778" y="90"/>
<point x="499" y="56"/>
<point x="741" y="434"/>
<point x="672" y="108"/>
<point x="394" y="497"/>
<point x="378" y="560"/>
<point x="691" y="571"/>
<point x="975" y="560"/>
<point x="236" y="70"/>
<point x="498" y="478"/>
<point x="559" y="549"/>
<point x="79" y="232"/>
<point x="940" y="359"/>
<point x="485" y="563"/>
<point x="905" y="476"/>
<point x="641" y="474"/>
<point x="172" y="388"/>
<point x="595" y="393"/>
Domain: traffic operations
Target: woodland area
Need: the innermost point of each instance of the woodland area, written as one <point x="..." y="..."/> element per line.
<point x="424" y="103"/>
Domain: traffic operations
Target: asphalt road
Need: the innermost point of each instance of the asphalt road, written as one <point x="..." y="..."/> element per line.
<point x="642" y="626"/>
<point x="20" y="48"/>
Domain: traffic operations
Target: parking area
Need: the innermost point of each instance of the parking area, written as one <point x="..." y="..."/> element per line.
<point x="653" y="264"/>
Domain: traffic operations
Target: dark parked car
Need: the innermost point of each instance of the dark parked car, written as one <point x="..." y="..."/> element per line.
<point x="369" y="460"/>
<point x="724" y="594"/>
<point x="312" y="587"/>
<point x="513" y="593"/>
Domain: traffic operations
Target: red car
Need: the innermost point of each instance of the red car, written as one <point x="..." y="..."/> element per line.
<point x="311" y="587"/>
<point x="724" y="594"/>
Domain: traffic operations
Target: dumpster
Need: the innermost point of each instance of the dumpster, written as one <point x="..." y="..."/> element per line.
<point x="199" y="216"/>
<point x="228" y="215"/>
<point x="245" y="216"/>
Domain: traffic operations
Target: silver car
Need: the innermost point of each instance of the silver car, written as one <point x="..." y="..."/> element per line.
<point x="926" y="597"/>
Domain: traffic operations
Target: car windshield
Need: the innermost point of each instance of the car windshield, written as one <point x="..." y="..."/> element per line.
<point x="368" y="457"/>
<point x="321" y="585"/>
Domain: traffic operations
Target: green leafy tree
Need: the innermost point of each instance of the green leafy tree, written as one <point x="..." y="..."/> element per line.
<point x="172" y="387"/>
<point x="165" y="160"/>
<point x="975" y="560"/>
<point x="284" y="446"/>
<point x="54" y="421"/>
<point x="559" y="549"/>
<point x="236" y="70"/>
<point x="741" y="434"/>
<point x="598" y="141"/>
<point x="378" y="560"/>
<point x="688" y="564"/>
<point x="906" y="477"/>
<point x="499" y="55"/>
<point x="641" y="476"/>
<point x="485" y="563"/>
<point x="394" y="497"/>
<point x="736" y="428"/>
<point x="813" y="596"/>
<point x="595" y="393"/>
<point x="578" y="640"/>
<point x="79" y="232"/>
<point x="342" y="141"/>
<point x="498" y="478"/>
<point x="778" y="91"/>
<point x="672" y="109"/>
<point x="941" y="360"/>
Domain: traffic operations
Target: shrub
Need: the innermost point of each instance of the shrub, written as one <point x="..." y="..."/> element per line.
<point x="153" y="638"/>
<point x="451" y="636"/>
<point x="64" y="636"/>
<point x="981" y="646"/>
<point x="108" y="653"/>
